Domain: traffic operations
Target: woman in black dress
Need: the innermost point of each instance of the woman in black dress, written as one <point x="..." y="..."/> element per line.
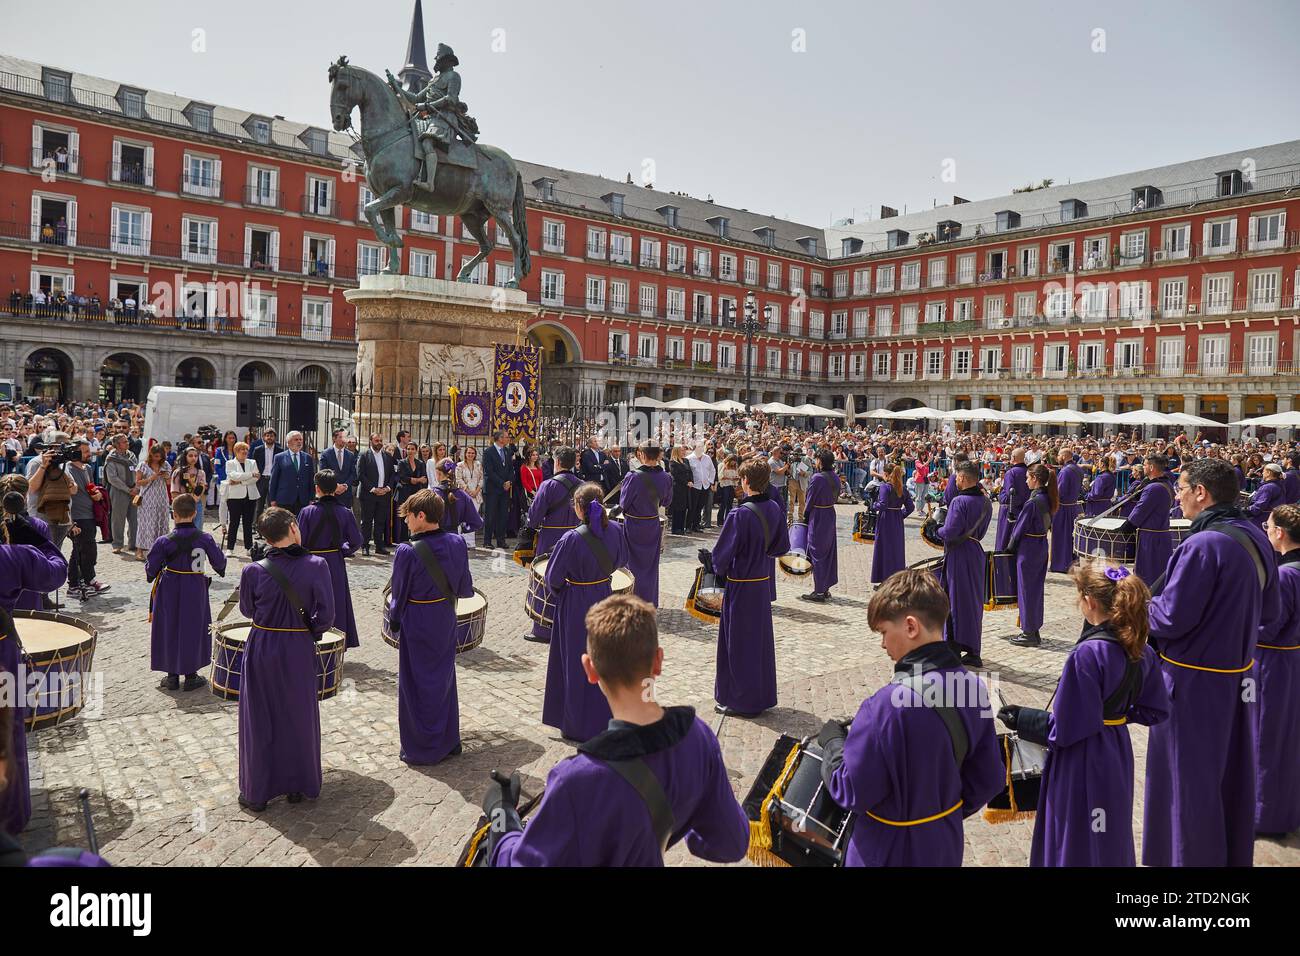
<point x="680" y="470"/>
<point x="412" y="476"/>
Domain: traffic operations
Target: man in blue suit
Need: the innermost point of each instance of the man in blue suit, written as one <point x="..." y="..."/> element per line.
<point x="293" y="478"/>
<point x="343" y="462"/>
<point x="497" y="486"/>
<point x="264" y="451"/>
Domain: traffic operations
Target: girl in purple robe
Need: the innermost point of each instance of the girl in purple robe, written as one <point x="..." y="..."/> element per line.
<point x="1277" y="663"/>
<point x="1101" y="493"/>
<point x="578" y="574"/>
<point x="889" y="552"/>
<point x="965" y="565"/>
<point x="921" y="755"/>
<point x="591" y="813"/>
<point x="28" y="562"/>
<point x="646" y="489"/>
<point x="1111" y="677"/>
<point x="1011" y="499"/>
<point x="329" y="530"/>
<point x="428" y="711"/>
<point x="279" y="714"/>
<point x="180" y="642"/>
<point x="1069" y="489"/>
<point x="459" y="510"/>
<point x="745" y="680"/>
<point x="1029" y="542"/>
<point x="819" y="513"/>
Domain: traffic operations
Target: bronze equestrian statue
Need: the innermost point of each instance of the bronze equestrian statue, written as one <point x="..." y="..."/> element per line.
<point x="460" y="177"/>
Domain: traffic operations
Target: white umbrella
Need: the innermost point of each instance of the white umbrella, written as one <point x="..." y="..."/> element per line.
<point x="1061" y="416"/>
<point x="728" y="405"/>
<point x="1280" y="420"/>
<point x="645" y="401"/>
<point x="818" y="410"/>
<point x="689" y="405"/>
<point x="850" y="403"/>
<point x="779" y="408"/>
<point x="1144" y="416"/>
<point x="880" y="413"/>
<point x="1101" y="418"/>
<point x="921" y="411"/>
<point x="974" y="414"/>
<point x="1197" y="421"/>
<point x="1020" y="415"/>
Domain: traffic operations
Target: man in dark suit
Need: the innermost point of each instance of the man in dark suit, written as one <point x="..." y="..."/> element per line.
<point x="263" y="451"/>
<point x="497" y="488"/>
<point x="293" y="477"/>
<point x="592" y="460"/>
<point x="343" y="462"/>
<point x="614" y="468"/>
<point x="377" y="472"/>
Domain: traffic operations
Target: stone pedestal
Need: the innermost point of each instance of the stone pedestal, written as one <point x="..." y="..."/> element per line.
<point x="412" y="330"/>
<point x="417" y="336"/>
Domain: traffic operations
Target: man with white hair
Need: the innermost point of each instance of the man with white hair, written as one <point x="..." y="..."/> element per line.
<point x="703" y="474"/>
<point x="293" y="477"/>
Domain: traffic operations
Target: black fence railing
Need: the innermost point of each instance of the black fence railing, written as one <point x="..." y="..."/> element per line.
<point x="264" y="198"/>
<point x="131" y="174"/>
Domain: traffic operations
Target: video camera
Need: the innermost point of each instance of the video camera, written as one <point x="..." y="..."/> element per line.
<point x="64" y="453"/>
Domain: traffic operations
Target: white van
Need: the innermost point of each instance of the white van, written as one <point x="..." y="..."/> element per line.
<point x="170" y="413"/>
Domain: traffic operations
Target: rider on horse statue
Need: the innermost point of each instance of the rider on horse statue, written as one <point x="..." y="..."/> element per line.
<point x="439" y="114"/>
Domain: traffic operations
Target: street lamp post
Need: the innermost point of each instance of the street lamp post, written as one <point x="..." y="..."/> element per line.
<point x="750" y="326"/>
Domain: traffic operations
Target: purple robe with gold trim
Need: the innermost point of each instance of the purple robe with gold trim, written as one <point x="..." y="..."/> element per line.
<point x="1014" y="494"/>
<point x="819" y="512"/>
<point x="1277" y="662"/>
<point x="1101" y="494"/>
<point x="330" y="528"/>
<point x="1149" y="515"/>
<point x="180" y="642"/>
<point x="889" y="550"/>
<point x="1069" y="487"/>
<point x="1029" y="541"/>
<point x="552" y="514"/>
<point x="965" y="567"/>
<point x="641" y="526"/>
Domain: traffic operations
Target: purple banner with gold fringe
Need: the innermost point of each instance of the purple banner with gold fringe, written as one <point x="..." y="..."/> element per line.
<point x="515" y="385"/>
<point x="469" y="413"/>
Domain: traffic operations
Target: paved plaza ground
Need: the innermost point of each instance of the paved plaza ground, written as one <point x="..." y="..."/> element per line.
<point x="162" y="767"/>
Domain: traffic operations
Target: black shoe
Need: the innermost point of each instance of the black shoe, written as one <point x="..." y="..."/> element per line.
<point x="170" y="682"/>
<point x="255" y="807"/>
<point x="819" y="596"/>
<point x="530" y="636"/>
<point x="1027" y="640"/>
<point x="193" y="682"/>
<point x="731" y="712"/>
<point x="972" y="660"/>
<point x="294" y="798"/>
<point x="456" y="751"/>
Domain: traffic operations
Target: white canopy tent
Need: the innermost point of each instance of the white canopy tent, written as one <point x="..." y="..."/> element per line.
<point x="973" y="415"/>
<point x="1021" y="416"/>
<point x="817" y="410"/>
<point x="728" y="405"/>
<point x="1101" y="418"/>
<point x="776" y="408"/>
<point x="1197" y="421"/>
<point x="687" y="404"/>
<point x="645" y="401"/>
<point x="1280" y="420"/>
<point x="880" y="413"/>
<point x="1061" y="416"/>
<point x="1145" y="416"/>
<point x="921" y="412"/>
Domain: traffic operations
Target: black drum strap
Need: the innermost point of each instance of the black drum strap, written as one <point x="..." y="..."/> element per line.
<point x="598" y="549"/>
<point x="287" y="589"/>
<point x="986" y="514"/>
<point x="952" y="721"/>
<point x="569" y="486"/>
<point x="753" y="509"/>
<point x="8" y="630"/>
<point x="336" y="539"/>
<point x="431" y="565"/>
<point x="1245" y="540"/>
<point x="650" y="489"/>
<point x="647" y="785"/>
<point x="1044" y="512"/>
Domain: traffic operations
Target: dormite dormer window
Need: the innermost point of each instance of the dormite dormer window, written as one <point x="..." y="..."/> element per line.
<point x="546" y="187"/>
<point x="131" y="101"/>
<point x="721" y="225"/>
<point x="766" y="235"/>
<point x="670" y="215"/>
<point x="615" y="201"/>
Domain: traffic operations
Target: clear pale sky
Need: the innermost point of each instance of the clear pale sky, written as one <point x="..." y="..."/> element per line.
<point x="713" y="92"/>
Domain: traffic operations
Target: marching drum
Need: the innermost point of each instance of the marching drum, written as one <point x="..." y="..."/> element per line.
<point x="1179" y="529"/>
<point x="1024" y="762"/>
<point x="796" y="562"/>
<point x="540" y="600"/>
<point x="60" y="649"/>
<point x="704" y="600"/>
<point x="1111" y="538"/>
<point x="864" y="526"/>
<point x="793" y="820"/>
<point x="930" y="529"/>
<point x="933" y="565"/>
<point x="471" y="620"/>
<point x="228" y="660"/>
<point x="1001" y="589"/>
<point x="524" y="546"/>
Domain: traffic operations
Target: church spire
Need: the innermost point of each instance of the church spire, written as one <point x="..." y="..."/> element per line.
<point x="415" y="74"/>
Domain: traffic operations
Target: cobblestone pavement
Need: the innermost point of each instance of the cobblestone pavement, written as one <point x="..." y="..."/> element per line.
<point x="162" y="767"/>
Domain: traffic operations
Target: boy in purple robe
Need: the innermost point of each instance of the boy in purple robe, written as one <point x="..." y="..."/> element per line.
<point x="1149" y="517"/>
<point x="1011" y="499"/>
<point x="1277" y="660"/>
<point x="279" y="715"/>
<point x="819" y="513"/>
<point x="753" y="535"/>
<point x="1101" y="493"/>
<point x="921" y="755"/>
<point x="1291" y="479"/>
<point x="180" y="618"/>
<point x="551" y="514"/>
<point x="645" y="490"/>
<point x="578" y="574"/>
<point x="1069" y="490"/>
<point x="964" y="563"/>
<point x="654" y="777"/>
<point x="423" y="612"/>
<point x="1111" y="677"/>
<point x="28" y="562"/>
<point x="459" y="511"/>
<point x="329" y="530"/>
<point x="889" y="550"/>
<point x="1219" y="593"/>
<point x="1268" y="496"/>
<point x="1029" y="542"/>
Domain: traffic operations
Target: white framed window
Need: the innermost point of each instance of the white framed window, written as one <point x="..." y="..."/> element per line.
<point x="861" y="320"/>
<point x="1169" y="356"/>
<point x="1026" y="302"/>
<point x="198" y="240"/>
<point x="938" y="272"/>
<point x="1028" y="263"/>
<point x="751" y="270"/>
<point x="130" y="230"/>
<point x="676" y="257"/>
<point x="1062" y="257"/>
<point x="1220" y="237"/>
<point x="815" y="365"/>
<point x="796" y="279"/>
<point x="365" y="197"/>
<point x="1173" y="298"/>
<point x="479" y="275"/>
<point x="618" y="345"/>
<point x="1264" y="290"/>
<point x="552" y="287"/>
<point x="620" y="248"/>
<point x="906" y="366"/>
<point x="881" y="362"/>
<point x="618" y="296"/>
<point x="884" y="321"/>
<point x="961" y="359"/>
<point x="990" y="361"/>
<point x="1057" y="305"/>
<point x="677" y="304"/>
<point x="503" y="273"/>
<point x="796" y="318"/>
<point x="1214" y="354"/>
<point x="841" y="284"/>
<point x="1216" y="295"/>
<point x="994" y="310"/>
<point x="1092" y="357"/>
<point x="1055" y="355"/>
<point x="773" y="317"/>
<point x="201" y="176"/>
<point x="726" y="356"/>
<point x="839" y="325"/>
<point x="1095" y="301"/>
<point x="963" y="310"/>
<point x="596" y="293"/>
<point x="816" y="324"/>
<point x="259" y="312"/>
<point x="424" y="221"/>
<point x="319" y="200"/>
<point x="1128" y="356"/>
<point x="702" y="351"/>
<point x="794" y="364"/>
<point x="911" y="278"/>
<point x="675" y="349"/>
<point x="317" y="255"/>
<point x="907" y="319"/>
<point x="647" y="300"/>
<point x="1096" y="252"/>
<point x="702" y="308"/>
<point x="727" y="266"/>
<point x="424" y="264"/>
<point x="595" y="243"/>
<point x="703" y="262"/>
<point x="884" y="278"/>
<point x="934" y="363"/>
<point x="1022" y="360"/>
<point x="1175" y="242"/>
<point x="1261" y="354"/>
<point x="317" y="318"/>
<point x="553" y="235"/>
<point x="647" y="348"/>
<point x="649" y="253"/>
<point x="1134" y="300"/>
<point x="773" y="275"/>
<point x="1268" y="230"/>
<point x="966" y="268"/>
<point x="835" y="367"/>
<point x="263" y="186"/>
<point x="1132" y="247"/>
<point x="772" y="361"/>
<point x="934" y="312"/>
<point x="861" y="281"/>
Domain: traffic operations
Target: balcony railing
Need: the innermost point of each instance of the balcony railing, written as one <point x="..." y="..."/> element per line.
<point x="63" y="162"/>
<point x="313" y="205"/>
<point x="1258" y="368"/>
<point x="205" y="187"/>
<point x="100" y="315"/>
<point x="264" y="198"/>
<point x="129" y="174"/>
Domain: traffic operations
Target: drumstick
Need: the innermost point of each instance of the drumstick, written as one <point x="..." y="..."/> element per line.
<point x="229" y="606"/>
<point x="91" y="842"/>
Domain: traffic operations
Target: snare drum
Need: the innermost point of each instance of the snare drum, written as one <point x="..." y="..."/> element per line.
<point x="797" y="822"/>
<point x="864" y="526"/>
<point x="930" y="529"/>
<point x="704" y="600"/>
<point x="1179" y="529"/>
<point x="228" y="660"/>
<point x="1001" y="590"/>
<point x="796" y="562"/>
<point x="1109" y="538"/>
<point x="1023" y="762"/>
<point x="471" y="620"/>
<point x="540" y="600"/>
<point x="60" y="649"/>
<point x="933" y="565"/>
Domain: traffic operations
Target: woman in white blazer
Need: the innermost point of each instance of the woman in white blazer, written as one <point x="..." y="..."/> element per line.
<point x="240" y="489"/>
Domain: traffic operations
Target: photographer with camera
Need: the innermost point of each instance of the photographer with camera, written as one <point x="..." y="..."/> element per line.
<point x="50" y="489"/>
<point x="81" y="566"/>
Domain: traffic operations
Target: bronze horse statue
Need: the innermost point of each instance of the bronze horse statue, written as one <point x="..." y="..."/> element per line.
<point x="491" y="189"/>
